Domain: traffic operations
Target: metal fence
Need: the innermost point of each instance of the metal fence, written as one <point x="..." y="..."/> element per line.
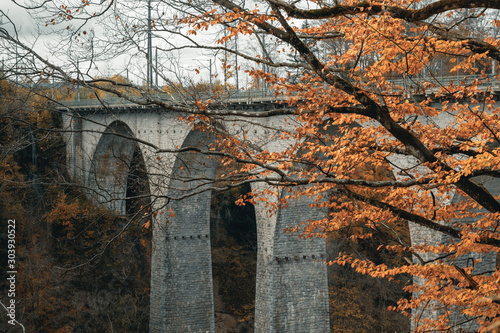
<point x="408" y="83"/>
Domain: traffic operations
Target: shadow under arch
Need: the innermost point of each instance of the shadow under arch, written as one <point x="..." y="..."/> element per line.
<point x="233" y="236"/>
<point x="119" y="180"/>
<point x="118" y="175"/>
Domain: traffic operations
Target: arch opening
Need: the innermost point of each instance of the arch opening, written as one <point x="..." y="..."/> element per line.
<point x="111" y="165"/>
<point x="358" y="302"/>
<point x="354" y="296"/>
<point x="119" y="181"/>
<point x="138" y="194"/>
<point x="183" y="273"/>
<point x="233" y="234"/>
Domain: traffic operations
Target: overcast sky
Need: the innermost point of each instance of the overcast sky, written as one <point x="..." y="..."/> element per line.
<point x="19" y="16"/>
<point x="29" y="31"/>
<point x="189" y="59"/>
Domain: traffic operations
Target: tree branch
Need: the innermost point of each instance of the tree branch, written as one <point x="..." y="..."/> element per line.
<point x="420" y="220"/>
<point x="366" y="7"/>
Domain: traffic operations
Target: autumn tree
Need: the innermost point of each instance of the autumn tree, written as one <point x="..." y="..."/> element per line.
<point x="373" y="103"/>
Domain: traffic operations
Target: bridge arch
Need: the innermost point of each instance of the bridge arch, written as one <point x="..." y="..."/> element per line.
<point x="182" y="287"/>
<point x="118" y="176"/>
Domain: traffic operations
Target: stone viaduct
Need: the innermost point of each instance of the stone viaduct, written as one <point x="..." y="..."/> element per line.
<point x="105" y="145"/>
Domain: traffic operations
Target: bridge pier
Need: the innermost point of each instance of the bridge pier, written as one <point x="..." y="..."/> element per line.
<point x="292" y="286"/>
<point x="291" y="290"/>
<point x="181" y="279"/>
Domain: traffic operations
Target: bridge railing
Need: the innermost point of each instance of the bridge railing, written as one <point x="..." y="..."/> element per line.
<point x="458" y="79"/>
<point x="248" y="96"/>
<point x="231" y="96"/>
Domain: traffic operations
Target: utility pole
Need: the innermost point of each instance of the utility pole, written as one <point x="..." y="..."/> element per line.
<point x="150" y="49"/>
<point x="156" y="67"/>
<point x="78" y="76"/>
<point x="236" y="63"/>
<point x="127" y="81"/>
<point x="156" y="71"/>
<point x="210" y="72"/>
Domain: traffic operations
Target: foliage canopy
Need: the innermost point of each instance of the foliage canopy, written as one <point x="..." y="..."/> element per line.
<point x="396" y="88"/>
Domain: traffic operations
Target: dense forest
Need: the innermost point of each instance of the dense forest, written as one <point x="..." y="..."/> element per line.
<point x="70" y="276"/>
